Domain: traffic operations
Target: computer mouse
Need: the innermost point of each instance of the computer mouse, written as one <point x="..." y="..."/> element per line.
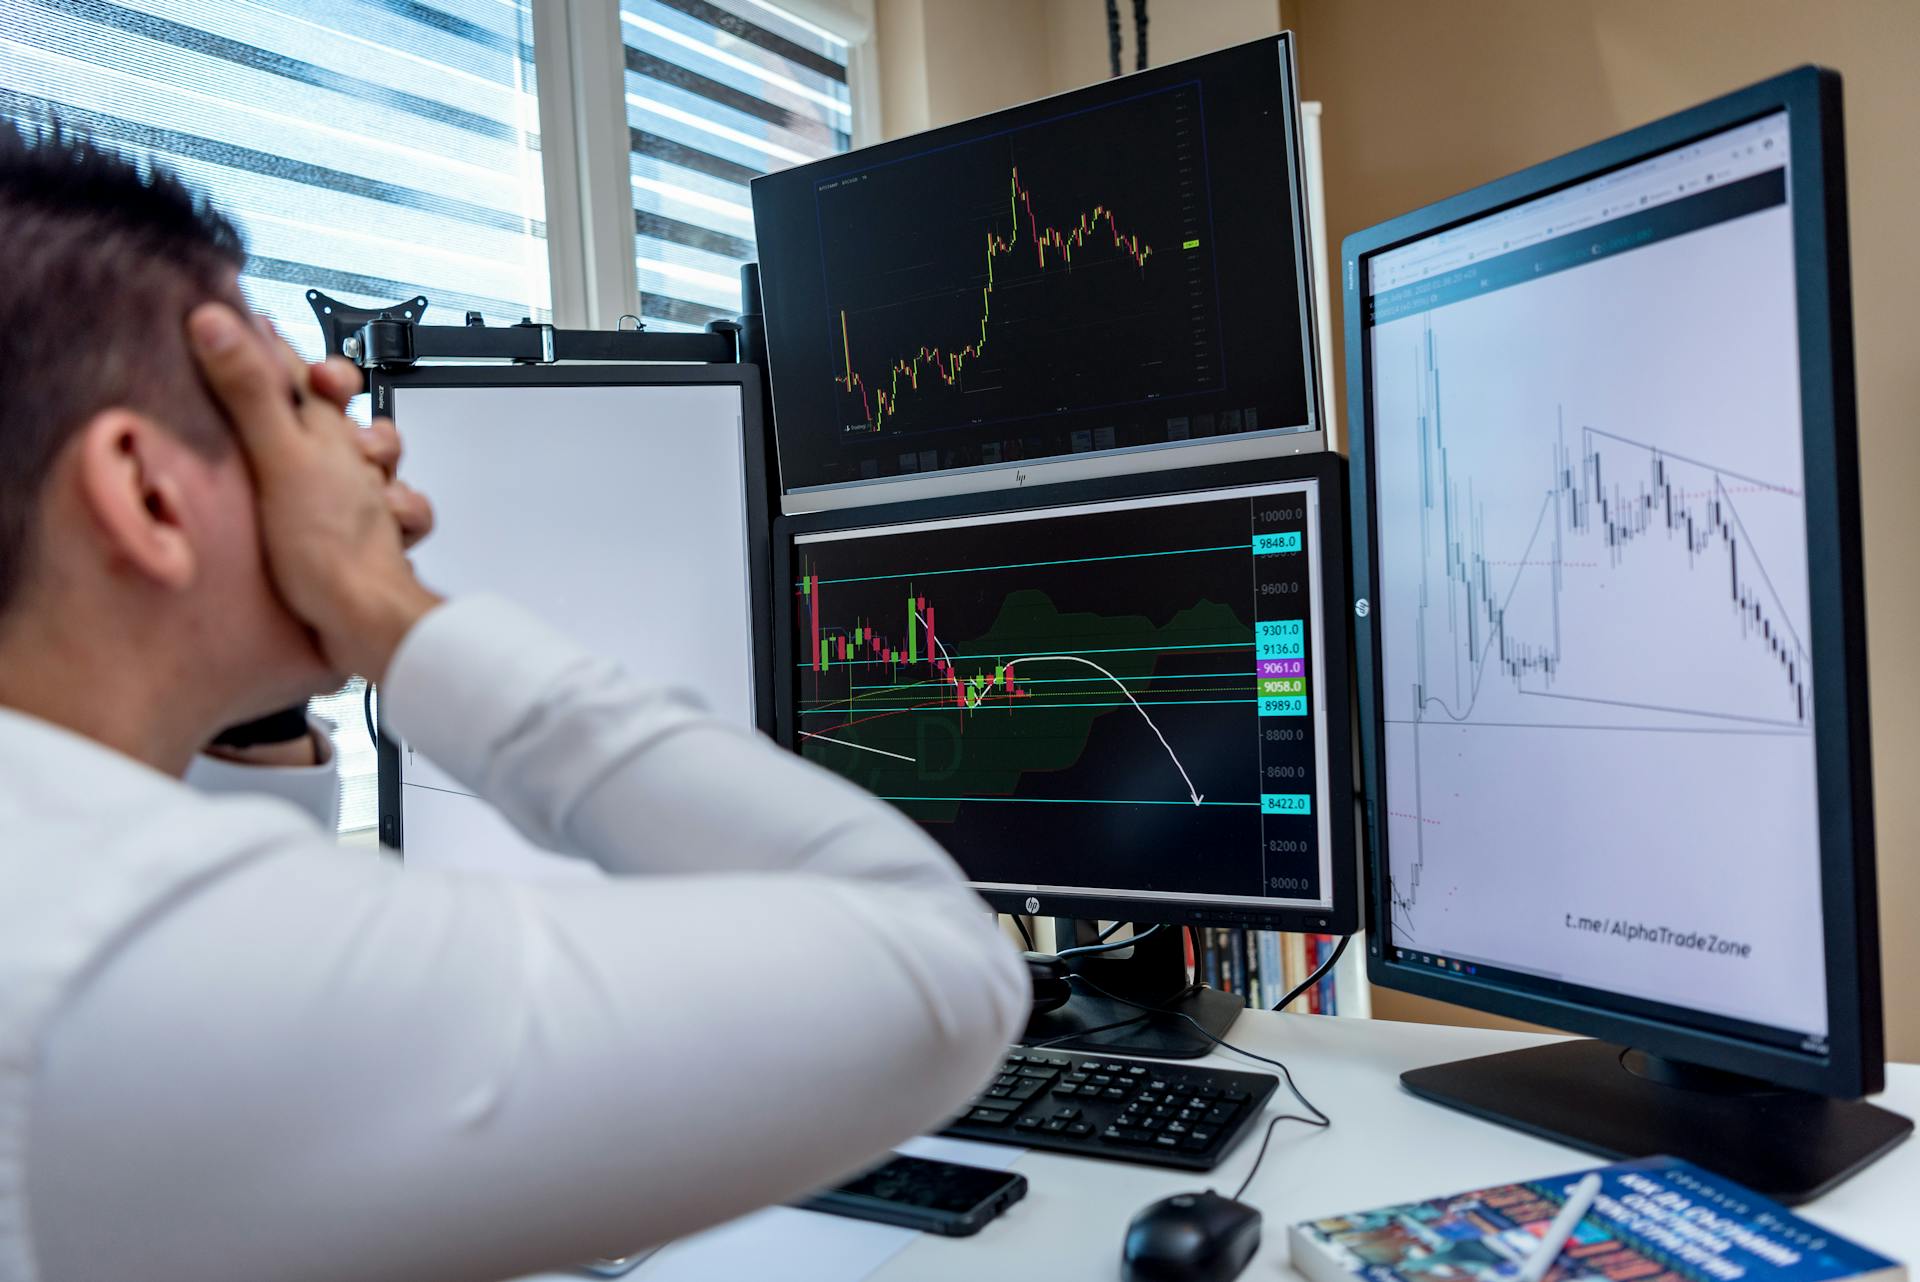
<point x="1190" y="1237"/>
<point x="1051" y="987"/>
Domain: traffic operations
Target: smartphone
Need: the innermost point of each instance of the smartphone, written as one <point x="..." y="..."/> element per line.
<point x="938" y="1197"/>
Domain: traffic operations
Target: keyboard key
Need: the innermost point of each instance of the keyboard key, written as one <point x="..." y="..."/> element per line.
<point x="1027" y="1124"/>
<point x="1053" y="1124"/>
<point x="1136" y="1071"/>
<point x="1076" y="1078"/>
<point x="1112" y="1067"/>
<point x="1202" y="1137"/>
<point x="1066" y="1088"/>
<point x="1006" y="1079"/>
<point x="1079" y="1128"/>
<point x="1190" y="1114"/>
<point x="1041" y="1074"/>
<point x="1151" y="1123"/>
<point x="1102" y="1079"/>
<point x="990" y="1116"/>
<point x="1220" y="1114"/>
<point x="1114" y="1092"/>
<point x="1028" y="1089"/>
<point x="1207" y="1092"/>
<point x="1135" y="1136"/>
<point x="1166" y="1141"/>
<point x="1178" y="1128"/>
<point x="1235" y="1094"/>
<point x="1066" y="1114"/>
<point x="1112" y="1135"/>
<point x="998" y="1092"/>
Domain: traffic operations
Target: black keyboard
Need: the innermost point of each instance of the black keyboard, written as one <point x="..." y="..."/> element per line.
<point x="1124" y="1109"/>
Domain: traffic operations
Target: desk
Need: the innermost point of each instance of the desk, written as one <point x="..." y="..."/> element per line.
<point x="1384" y="1146"/>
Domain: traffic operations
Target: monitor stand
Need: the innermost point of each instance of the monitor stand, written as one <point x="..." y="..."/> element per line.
<point x="1623" y="1103"/>
<point x="1155" y="977"/>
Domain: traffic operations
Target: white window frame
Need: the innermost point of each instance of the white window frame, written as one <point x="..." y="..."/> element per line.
<point x="580" y="69"/>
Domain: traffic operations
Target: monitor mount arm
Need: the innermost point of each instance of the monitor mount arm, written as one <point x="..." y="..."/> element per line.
<point x="394" y="338"/>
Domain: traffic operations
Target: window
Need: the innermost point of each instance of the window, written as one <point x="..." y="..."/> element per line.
<point x="718" y="93"/>
<point x="379" y="149"/>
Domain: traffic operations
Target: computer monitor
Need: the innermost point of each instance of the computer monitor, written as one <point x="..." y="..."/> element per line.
<point x="1068" y="289"/>
<point x="626" y="505"/>
<point x="1610" y="639"/>
<point x="1121" y="699"/>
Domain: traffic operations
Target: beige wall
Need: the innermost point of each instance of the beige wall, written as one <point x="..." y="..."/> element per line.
<point x="948" y="60"/>
<point x="1426" y="97"/>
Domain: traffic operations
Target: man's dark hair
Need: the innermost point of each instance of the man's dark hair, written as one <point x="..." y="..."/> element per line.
<point x="103" y="259"/>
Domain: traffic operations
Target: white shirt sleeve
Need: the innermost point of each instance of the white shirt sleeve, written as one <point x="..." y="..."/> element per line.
<point x="315" y="789"/>
<point x="324" y="1068"/>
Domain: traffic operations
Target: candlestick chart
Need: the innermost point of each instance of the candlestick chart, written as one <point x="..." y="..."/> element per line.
<point x="1091" y="685"/>
<point x="1034" y="272"/>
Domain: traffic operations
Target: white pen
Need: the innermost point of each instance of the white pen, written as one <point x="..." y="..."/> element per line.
<point x="1578" y="1203"/>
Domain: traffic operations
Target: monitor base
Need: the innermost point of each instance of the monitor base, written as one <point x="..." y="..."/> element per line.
<point x="1623" y="1103"/>
<point x="1114" y="991"/>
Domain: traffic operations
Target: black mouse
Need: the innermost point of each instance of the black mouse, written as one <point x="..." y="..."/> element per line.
<point x="1190" y="1237"/>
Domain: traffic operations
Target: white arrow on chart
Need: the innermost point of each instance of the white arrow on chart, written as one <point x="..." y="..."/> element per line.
<point x="1074" y="658"/>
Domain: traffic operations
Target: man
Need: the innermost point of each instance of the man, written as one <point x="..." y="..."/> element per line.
<point x="229" y="1049"/>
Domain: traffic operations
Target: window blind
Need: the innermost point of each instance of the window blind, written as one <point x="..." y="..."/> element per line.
<point x="718" y="92"/>
<point x="375" y="150"/>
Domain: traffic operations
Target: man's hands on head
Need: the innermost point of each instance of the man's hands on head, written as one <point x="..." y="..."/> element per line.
<point x="334" y="523"/>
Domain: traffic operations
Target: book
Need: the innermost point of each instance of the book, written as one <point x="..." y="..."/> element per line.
<point x="1657" y="1219"/>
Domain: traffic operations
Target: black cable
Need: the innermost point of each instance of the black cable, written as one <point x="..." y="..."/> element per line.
<point x="1149" y="1012"/>
<point x="1140" y="35"/>
<point x="1265" y="1139"/>
<point x="1318" y="1120"/>
<point x="1113" y="35"/>
<point x="1111" y="931"/>
<point x="1114" y="947"/>
<point x="1021" y="923"/>
<point x="366" y="710"/>
<point x="1317" y="975"/>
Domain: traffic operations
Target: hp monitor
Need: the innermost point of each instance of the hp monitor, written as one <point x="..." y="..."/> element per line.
<point x="1083" y="286"/>
<point x="1611" y="647"/>
<point x="1124" y="699"/>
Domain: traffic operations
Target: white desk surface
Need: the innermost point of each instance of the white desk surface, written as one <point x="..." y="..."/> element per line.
<point x="1385" y="1146"/>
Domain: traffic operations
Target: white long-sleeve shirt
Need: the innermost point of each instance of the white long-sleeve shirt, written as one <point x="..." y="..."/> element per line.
<point x="230" y="1050"/>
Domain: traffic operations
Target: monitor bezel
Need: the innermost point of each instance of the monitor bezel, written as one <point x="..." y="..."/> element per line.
<point x="382" y="383"/>
<point x="1854" y="1062"/>
<point x="1343" y="915"/>
<point x="1067" y="468"/>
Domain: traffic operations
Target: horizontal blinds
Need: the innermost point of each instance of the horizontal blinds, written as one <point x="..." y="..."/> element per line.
<point x="375" y="150"/>
<point x="718" y="92"/>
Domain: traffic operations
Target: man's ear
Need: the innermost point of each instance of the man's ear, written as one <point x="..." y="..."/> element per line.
<point x="132" y="476"/>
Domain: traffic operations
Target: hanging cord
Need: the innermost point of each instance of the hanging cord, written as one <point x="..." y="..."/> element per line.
<point x="1140" y="35"/>
<point x="1332" y="960"/>
<point x="1113" y="35"/>
<point x="1315" y="1118"/>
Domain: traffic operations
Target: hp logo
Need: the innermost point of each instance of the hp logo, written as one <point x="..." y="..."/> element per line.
<point x="1362" y="608"/>
<point x="1033" y="905"/>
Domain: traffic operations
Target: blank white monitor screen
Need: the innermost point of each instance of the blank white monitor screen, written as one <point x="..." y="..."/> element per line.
<point x="1593" y="598"/>
<point x="619" y="514"/>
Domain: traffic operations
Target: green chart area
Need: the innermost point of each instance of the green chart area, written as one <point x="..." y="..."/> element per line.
<point x="1106" y="696"/>
<point x="1004" y="713"/>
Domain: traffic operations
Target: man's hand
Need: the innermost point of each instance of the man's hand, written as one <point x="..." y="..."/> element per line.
<point x="339" y="381"/>
<point x="333" y="542"/>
